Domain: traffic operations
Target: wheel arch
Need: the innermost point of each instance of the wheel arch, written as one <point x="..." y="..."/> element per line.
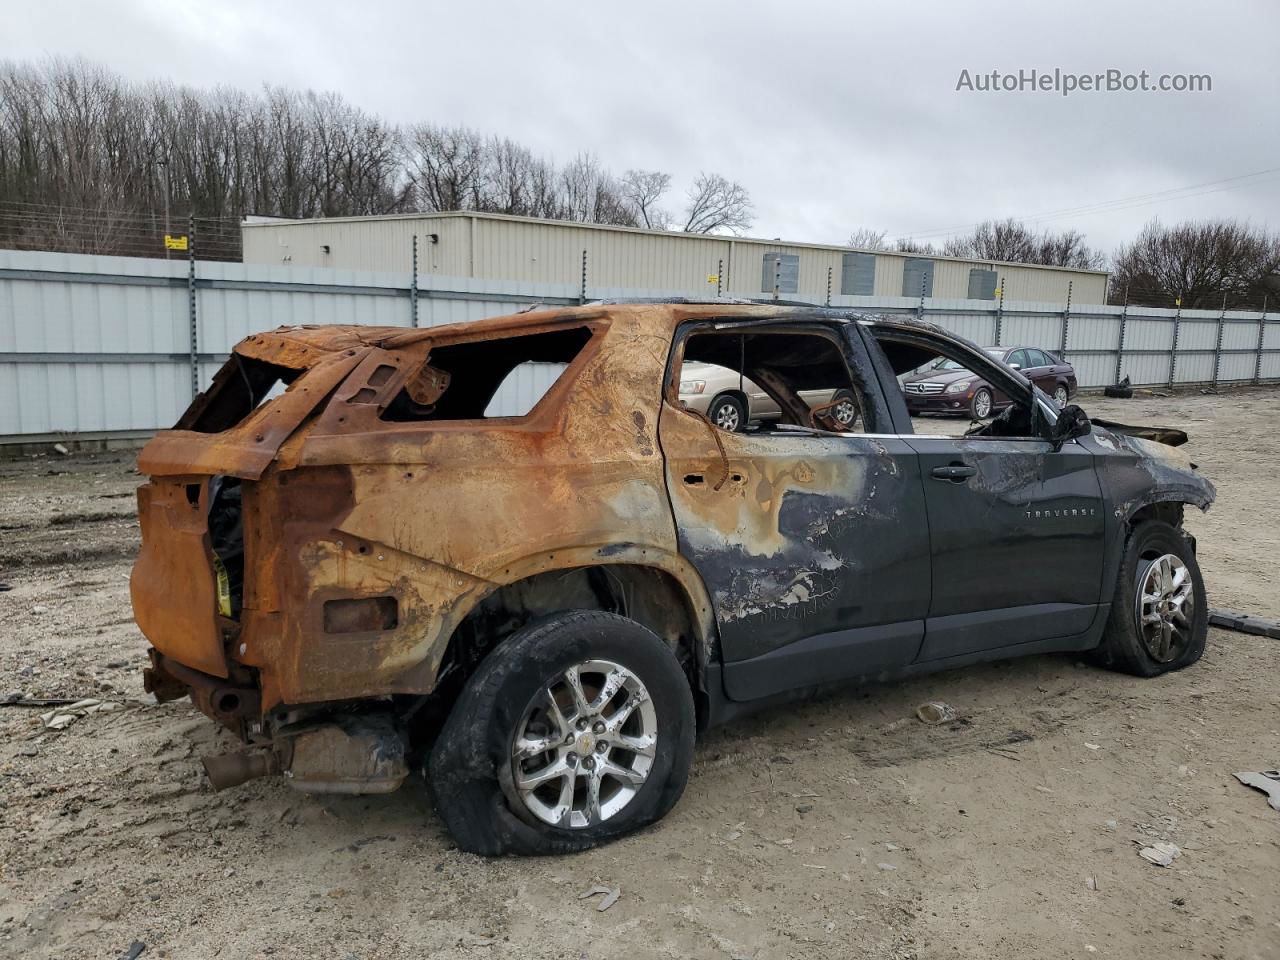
<point x="657" y="589"/>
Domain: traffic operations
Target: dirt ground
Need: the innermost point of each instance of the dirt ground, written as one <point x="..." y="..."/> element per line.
<point x="839" y="828"/>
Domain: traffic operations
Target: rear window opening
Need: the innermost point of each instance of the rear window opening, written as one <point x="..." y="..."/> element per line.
<point x="484" y="379"/>
<point x="240" y="387"/>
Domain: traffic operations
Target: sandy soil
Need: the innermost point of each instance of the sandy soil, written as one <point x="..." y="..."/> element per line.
<point x="833" y="829"/>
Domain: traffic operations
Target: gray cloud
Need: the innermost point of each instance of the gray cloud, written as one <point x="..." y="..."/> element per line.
<point x="834" y="115"/>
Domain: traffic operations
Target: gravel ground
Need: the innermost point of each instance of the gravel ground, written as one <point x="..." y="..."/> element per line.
<point x="836" y="828"/>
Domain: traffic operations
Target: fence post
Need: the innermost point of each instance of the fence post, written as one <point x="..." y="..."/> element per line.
<point x="582" y="290"/>
<point x="719" y="276"/>
<point x="999" y="315"/>
<point x="1217" y="348"/>
<point x="413" y="286"/>
<point x="1124" y="321"/>
<point x="1173" y="350"/>
<point x="1066" y="322"/>
<point x="828" y="303"/>
<point x="777" y="276"/>
<point x="924" y="279"/>
<point x="192" y="316"/>
<point x="1262" y="337"/>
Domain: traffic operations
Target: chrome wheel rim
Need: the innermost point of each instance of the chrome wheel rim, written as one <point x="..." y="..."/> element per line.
<point x="727" y="417"/>
<point x="845" y="412"/>
<point x="585" y="745"/>
<point x="1165" y="607"/>
<point x="1060" y="396"/>
<point x="982" y="404"/>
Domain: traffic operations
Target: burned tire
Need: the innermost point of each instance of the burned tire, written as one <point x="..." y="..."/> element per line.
<point x="728" y="413"/>
<point x="1159" y="614"/>
<point x="574" y="731"/>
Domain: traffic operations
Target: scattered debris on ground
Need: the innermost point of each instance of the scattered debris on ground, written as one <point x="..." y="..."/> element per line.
<point x="610" y="897"/>
<point x="935" y="712"/>
<point x="1244" y="623"/>
<point x="1268" y="781"/>
<point x="1162" y="854"/>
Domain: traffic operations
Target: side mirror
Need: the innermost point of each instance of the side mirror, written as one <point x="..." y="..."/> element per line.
<point x="1072" y="422"/>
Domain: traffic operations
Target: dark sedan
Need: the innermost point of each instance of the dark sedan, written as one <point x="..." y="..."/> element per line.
<point x="947" y="387"/>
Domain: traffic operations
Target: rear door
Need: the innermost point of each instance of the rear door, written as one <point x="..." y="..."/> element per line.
<point x="813" y="544"/>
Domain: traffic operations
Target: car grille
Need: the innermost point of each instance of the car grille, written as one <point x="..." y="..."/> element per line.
<point x="926" y="387"/>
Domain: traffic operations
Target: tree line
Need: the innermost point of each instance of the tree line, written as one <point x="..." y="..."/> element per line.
<point x="90" y="162"/>
<point x="1204" y="265"/>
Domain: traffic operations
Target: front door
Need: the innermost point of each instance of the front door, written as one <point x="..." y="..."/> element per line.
<point x="813" y="544"/>
<point x="1017" y="534"/>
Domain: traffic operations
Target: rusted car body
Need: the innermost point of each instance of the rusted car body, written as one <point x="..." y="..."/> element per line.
<point x="322" y="569"/>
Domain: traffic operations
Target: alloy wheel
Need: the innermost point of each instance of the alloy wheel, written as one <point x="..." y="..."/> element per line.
<point x="1060" y="396"/>
<point x="845" y="412"/>
<point x="727" y="417"/>
<point x="1165" y="607"/>
<point x="585" y="745"/>
<point x="982" y="405"/>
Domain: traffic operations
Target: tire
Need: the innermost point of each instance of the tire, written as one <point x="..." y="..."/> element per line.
<point x="980" y="409"/>
<point x="846" y="413"/>
<point x="1061" y="395"/>
<point x="728" y="413"/>
<point x="472" y="771"/>
<point x="1125" y="645"/>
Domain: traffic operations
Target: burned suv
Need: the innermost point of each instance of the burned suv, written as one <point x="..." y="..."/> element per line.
<point x="357" y="563"/>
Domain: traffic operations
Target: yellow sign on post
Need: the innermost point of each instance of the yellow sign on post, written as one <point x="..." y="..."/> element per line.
<point x="713" y="278"/>
<point x="175" y="243"/>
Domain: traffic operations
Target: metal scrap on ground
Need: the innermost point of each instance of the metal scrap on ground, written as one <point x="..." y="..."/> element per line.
<point x="1161" y="854"/>
<point x="1268" y="781"/>
<point x="611" y="895"/>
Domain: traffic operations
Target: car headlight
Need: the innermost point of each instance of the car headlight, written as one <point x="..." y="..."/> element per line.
<point x="692" y="386"/>
<point x="960" y="386"/>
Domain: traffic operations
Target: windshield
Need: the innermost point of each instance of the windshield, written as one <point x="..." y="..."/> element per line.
<point x="945" y="363"/>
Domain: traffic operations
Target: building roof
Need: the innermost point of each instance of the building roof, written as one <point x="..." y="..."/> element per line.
<point x="674" y="234"/>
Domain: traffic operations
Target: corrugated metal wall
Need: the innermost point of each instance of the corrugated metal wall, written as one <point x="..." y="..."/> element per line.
<point x="103" y="345"/>
<point x="487" y="246"/>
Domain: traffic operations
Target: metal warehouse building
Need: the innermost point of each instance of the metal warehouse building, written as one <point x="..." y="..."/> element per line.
<point x="522" y="249"/>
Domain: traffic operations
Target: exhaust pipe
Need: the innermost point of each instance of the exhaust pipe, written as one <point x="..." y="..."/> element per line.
<point x="232" y="769"/>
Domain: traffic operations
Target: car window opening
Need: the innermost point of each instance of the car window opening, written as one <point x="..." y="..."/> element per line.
<point x="972" y="384"/>
<point x="240" y="387"/>
<point x="769" y="382"/>
<point x="484" y="379"/>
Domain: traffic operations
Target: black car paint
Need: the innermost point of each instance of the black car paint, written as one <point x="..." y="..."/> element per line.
<point x="1064" y="561"/>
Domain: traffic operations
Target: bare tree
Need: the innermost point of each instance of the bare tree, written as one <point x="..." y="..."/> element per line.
<point x="910" y="245"/>
<point x="1202" y="263"/>
<point x="717" y="203"/>
<point x="865" y="238"/>
<point x="1013" y="241"/>
<point x="643" y="189"/>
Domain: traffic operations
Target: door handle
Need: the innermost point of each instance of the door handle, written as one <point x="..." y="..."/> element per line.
<point x="955" y="472"/>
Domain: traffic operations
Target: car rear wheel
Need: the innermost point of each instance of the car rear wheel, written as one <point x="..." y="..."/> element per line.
<point x="981" y="404"/>
<point x="1061" y="395"/>
<point x="728" y="413"/>
<point x="574" y="731"/>
<point x="1159" y="615"/>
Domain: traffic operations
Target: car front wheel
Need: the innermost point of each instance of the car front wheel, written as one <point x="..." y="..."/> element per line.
<point x="574" y="731"/>
<point x="981" y="404"/>
<point x="1159" y="615"/>
<point x="1061" y="395"/>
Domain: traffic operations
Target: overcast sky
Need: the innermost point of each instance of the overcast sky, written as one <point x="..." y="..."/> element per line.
<point x="833" y="115"/>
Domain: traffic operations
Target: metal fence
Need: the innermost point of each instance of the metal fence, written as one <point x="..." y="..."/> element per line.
<point x="112" y="346"/>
